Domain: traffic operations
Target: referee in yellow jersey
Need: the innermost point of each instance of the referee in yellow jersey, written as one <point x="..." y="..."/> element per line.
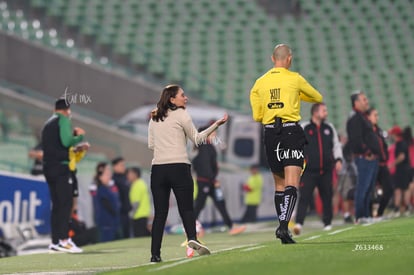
<point x="275" y="101"/>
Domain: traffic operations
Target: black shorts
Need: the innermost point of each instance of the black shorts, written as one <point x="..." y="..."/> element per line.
<point x="284" y="148"/>
<point x="402" y="179"/>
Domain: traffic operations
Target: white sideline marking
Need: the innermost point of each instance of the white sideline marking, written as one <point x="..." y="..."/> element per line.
<point x="198" y="258"/>
<point x="312" y="238"/>
<point x="252" y="248"/>
<point x="175" y="264"/>
<point x="340" y="230"/>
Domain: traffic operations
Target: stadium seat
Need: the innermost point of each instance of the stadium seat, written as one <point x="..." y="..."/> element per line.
<point x="228" y="43"/>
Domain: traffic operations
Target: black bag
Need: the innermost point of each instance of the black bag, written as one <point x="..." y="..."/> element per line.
<point x="6" y="250"/>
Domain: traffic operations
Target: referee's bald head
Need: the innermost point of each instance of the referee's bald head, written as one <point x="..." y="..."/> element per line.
<point x="282" y="56"/>
<point x="281" y="52"/>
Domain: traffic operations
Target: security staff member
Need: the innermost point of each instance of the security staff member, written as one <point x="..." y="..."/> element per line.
<point x="275" y="101"/>
<point x="322" y="153"/>
<point x="57" y="138"/>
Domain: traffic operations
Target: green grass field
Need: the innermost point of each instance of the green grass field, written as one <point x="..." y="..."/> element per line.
<point x="381" y="248"/>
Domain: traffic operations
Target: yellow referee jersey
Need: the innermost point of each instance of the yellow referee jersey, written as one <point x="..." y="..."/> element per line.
<point x="278" y="93"/>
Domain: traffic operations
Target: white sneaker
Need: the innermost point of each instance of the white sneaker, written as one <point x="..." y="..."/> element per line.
<point x="365" y="220"/>
<point x="53" y="248"/>
<point x="297" y="229"/>
<point x="201" y="249"/>
<point x="327" y="228"/>
<point x="68" y="247"/>
<point x="75" y="248"/>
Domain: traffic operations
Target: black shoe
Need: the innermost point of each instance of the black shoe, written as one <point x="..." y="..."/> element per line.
<point x="155" y="259"/>
<point x="284" y="235"/>
<point x="348" y="219"/>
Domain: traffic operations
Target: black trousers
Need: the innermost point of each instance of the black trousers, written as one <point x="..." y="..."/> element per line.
<point x="207" y="189"/>
<point x="60" y="184"/>
<point x="125" y="225"/>
<point x="323" y="182"/>
<point x="250" y="215"/>
<point x="164" y="178"/>
<point x="384" y="180"/>
<point x="139" y="227"/>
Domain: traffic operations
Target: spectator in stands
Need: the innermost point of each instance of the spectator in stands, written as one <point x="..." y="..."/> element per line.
<point x="57" y="138"/>
<point x="366" y="150"/>
<point x="169" y="128"/>
<point x="253" y="188"/>
<point x="401" y="178"/>
<point x="384" y="176"/>
<point x="108" y="204"/>
<point x="120" y="179"/>
<point x="206" y="167"/>
<point x="140" y="202"/>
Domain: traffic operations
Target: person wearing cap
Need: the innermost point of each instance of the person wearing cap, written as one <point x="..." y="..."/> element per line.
<point x="57" y="137"/>
<point x="140" y="202"/>
<point x="275" y="101"/>
<point x="401" y="164"/>
<point x="120" y="178"/>
<point x="365" y="148"/>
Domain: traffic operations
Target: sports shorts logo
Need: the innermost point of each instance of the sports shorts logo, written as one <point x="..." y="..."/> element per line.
<point x="282" y="153"/>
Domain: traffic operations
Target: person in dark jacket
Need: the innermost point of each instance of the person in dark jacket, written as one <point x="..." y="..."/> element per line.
<point x="57" y="137"/>
<point x="121" y="182"/>
<point x="322" y="153"/>
<point x="401" y="177"/>
<point x="108" y="204"/>
<point x="206" y="168"/>
<point x="384" y="176"/>
<point x="366" y="150"/>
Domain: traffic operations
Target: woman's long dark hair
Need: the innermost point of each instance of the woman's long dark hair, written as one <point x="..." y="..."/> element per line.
<point x="100" y="168"/>
<point x="408" y="135"/>
<point x="164" y="104"/>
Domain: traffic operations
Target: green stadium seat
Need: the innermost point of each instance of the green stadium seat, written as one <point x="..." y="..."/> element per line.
<point x="337" y="45"/>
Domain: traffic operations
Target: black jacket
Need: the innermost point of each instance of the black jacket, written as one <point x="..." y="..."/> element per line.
<point x="323" y="148"/>
<point x="361" y="136"/>
<point x="205" y="163"/>
<point x="54" y="152"/>
<point x="383" y="156"/>
<point x="121" y="183"/>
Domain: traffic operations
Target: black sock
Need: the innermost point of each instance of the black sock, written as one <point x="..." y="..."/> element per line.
<point x="288" y="204"/>
<point x="278" y="202"/>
